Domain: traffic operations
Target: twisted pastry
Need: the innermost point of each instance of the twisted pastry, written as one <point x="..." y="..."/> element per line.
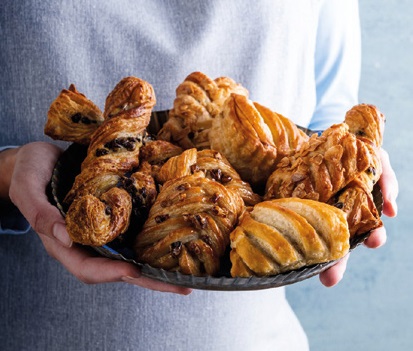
<point x="100" y="208"/>
<point x="72" y="117"/>
<point x="253" y="138"/>
<point x="338" y="167"/>
<point x="285" y="234"/>
<point x="198" y="101"/>
<point x="189" y="224"/>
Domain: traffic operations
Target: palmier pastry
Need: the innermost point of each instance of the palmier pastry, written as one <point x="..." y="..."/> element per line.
<point x="328" y="167"/>
<point x="72" y="117"/>
<point x="100" y="208"/>
<point x="198" y="101"/>
<point x="189" y="224"/>
<point x="253" y="138"/>
<point x="281" y="235"/>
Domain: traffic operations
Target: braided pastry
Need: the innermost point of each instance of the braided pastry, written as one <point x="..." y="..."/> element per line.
<point x="285" y="234"/>
<point x="72" y="117"/>
<point x="253" y="138"/>
<point x="198" y="101"/>
<point x="100" y="207"/>
<point x="336" y="167"/>
<point x="189" y="224"/>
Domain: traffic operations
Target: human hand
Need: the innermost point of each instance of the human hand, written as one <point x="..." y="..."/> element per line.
<point x="33" y="167"/>
<point x="390" y="190"/>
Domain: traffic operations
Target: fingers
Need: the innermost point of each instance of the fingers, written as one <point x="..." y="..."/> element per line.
<point x="389" y="186"/>
<point x="333" y="275"/>
<point x="32" y="171"/>
<point x="376" y="239"/>
<point x="91" y="269"/>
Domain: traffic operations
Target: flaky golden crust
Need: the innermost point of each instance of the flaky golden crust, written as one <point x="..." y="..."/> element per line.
<point x="188" y="226"/>
<point x="366" y="122"/>
<point x="199" y="99"/>
<point x="341" y="162"/>
<point x="215" y="167"/>
<point x="72" y="117"/>
<point x="277" y="237"/>
<point x="253" y="138"/>
<point x="113" y="155"/>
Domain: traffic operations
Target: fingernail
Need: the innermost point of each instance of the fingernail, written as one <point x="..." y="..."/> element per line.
<point x="60" y="233"/>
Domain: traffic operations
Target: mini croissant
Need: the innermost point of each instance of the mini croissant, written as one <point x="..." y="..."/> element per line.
<point x="102" y="197"/>
<point x="198" y="101"/>
<point x="285" y="234"/>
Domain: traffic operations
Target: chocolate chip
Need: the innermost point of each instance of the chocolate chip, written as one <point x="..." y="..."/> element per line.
<point x="161" y="218"/>
<point x="176" y="248"/>
<point x="76" y="117"/>
<point x="216" y="174"/>
<point x="339" y="205"/>
<point x="101" y="152"/>
<point x="108" y="210"/>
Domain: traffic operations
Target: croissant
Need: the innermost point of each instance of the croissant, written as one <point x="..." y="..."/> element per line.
<point x="198" y="101"/>
<point x="341" y="165"/>
<point x="102" y="197"/>
<point x="188" y="225"/>
<point x="253" y="138"/>
<point x="285" y="234"/>
<point x="72" y="117"/>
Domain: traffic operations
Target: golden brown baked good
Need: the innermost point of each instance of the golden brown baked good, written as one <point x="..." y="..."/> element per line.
<point x="72" y="117"/>
<point x="198" y="101"/>
<point x="253" y="138"/>
<point x="215" y="167"/>
<point x="336" y="167"/>
<point x="99" y="207"/>
<point x="285" y="234"/>
<point x="189" y="224"/>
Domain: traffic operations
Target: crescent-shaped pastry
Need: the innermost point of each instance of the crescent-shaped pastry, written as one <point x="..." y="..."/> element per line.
<point x="72" y="117"/>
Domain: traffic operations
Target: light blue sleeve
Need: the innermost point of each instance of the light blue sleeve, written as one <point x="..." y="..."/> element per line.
<point x="337" y="61"/>
<point x="11" y="220"/>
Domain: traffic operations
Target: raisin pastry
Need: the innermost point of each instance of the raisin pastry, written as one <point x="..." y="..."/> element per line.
<point x="286" y="234"/>
<point x="198" y="101"/>
<point x="253" y="138"/>
<point x="72" y="117"/>
<point x="215" y="167"/>
<point x="329" y="167"/>
<point x="101" y="200"/>
<point x="188" y="226"/>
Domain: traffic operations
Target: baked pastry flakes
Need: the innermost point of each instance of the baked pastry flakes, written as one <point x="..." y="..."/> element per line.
<point x="72" y="117"/>
<point x="339" y="167"/>
<point x="198" y="101"/>
<point x="104" y="194"/>
<point x="189" y="224"/>
<point x="253" y="138"/>
<point x="285" y="234"/>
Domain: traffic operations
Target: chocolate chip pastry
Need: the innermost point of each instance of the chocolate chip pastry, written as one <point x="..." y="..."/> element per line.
<point x="103" y="195"/>
<point x="72" y="117"/>
<point x="197" y="207"/>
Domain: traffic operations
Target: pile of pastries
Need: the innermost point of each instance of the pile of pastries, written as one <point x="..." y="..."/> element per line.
<point x="223" y="177"/>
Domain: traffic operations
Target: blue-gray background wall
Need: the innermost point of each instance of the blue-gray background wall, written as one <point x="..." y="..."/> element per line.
<point x="372" y="308"/>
